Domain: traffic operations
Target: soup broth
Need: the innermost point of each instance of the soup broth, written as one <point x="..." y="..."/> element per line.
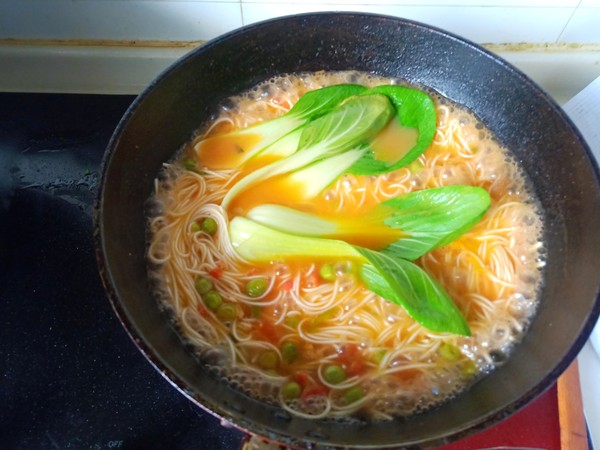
<point x="306" y="333"/>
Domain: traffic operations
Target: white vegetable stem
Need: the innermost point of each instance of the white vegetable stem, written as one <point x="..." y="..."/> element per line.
<point x="258" y="243"/>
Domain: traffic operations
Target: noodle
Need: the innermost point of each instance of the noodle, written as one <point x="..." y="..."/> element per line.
<point x="492" y="273"/>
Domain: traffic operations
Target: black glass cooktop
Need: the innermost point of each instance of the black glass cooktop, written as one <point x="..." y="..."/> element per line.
<point x="70" y="377"/>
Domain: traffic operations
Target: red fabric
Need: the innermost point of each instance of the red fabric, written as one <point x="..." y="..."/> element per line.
<point x="536" y="426"/>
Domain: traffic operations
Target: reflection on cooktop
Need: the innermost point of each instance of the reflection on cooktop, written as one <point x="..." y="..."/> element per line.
<point x="71" y="377"/>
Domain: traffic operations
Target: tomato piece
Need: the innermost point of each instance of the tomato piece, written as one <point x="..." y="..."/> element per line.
<point x="202" y="311"/>
<point x="269" y="331"/>
<point x="301" y="378"/>
<point x="356" y="367"/>
<point x="312" y="280"/>
<point x="216" y="272"/>
<point x="348" y="352"/>
<point x="352" y="359"/>
<point x="287" y="285"/>
<point x="313" y="391"/>
<point x="407" y="375"/>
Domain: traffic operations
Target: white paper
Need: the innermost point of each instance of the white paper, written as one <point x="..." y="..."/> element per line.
<point x="584" y="111"/>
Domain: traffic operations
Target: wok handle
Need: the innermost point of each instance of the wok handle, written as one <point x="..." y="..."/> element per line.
<point x="573" y="431"/>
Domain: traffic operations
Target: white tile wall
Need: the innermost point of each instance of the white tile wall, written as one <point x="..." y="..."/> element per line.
<point x="484" y="21"/>
<point x="480" y="3"/>
<point x="490" y="24"/>
<point x="584" y="25"/>
<point x="118" y="20"/>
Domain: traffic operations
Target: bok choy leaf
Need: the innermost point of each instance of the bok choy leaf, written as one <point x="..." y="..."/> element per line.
<point x="414" y="110"/>
<point x="289" y="220"/>
<point x="230" y="150"/>
<point x="258" y="243"/>
<point x="432" y="218"/>
<point x="311" y="180"/>
<point x="409" y="286"/>
<point x="346" y="127"/>
<point x="413" y="223"/>
<point x="395" y="280"/>
<point x="341" y="129"/>
<point x="320" y="101"/>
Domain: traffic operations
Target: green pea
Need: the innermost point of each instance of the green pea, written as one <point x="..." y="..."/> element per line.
<point x="203" y="285"/>
<point x="291" y="390"/>
<point x="450" y="352"/>
<point x="354" y="394"/>
<point x="469" y="368"/>
<point x="209" y="226"/>
<point x="289" y="351"/>
<point x="327" y="272"/>
<point x="268" y="359"/>
<point x="325" y="316"/>
<point x="415" y="166"/>
<point x="189" y="164"/>
<point x="212" y="300"/>
<point x="226" y="312"/>
<point x="256" y="287"/>
<point x="292" y="321"/>
<point x="334" y="374"/>
<point x="256" y="311"/>
<point x="195" y="227"/>
<point x="378" y="356"/>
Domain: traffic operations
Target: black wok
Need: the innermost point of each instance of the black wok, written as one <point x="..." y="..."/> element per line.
<point x="524" y="119"/>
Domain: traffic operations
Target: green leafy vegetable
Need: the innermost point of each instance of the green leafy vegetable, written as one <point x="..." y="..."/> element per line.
<point x="353" y="122"/>
<point x="337" y="135"/>
<point x="396" y="280"/>
<point x="344" y="128"/>
<point x="248" y="142"/>
<point x="408" y="285"/>
<point x="292" y="221"/>
<point x="432" y="218"/>
<point x="311" y="180"/>
<point x="414" y="109"/>
<point x="318" y="102"/>
<point x="425" y="220"/>
<point x="285" y="146"/>
<point x="256" y="242"/>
